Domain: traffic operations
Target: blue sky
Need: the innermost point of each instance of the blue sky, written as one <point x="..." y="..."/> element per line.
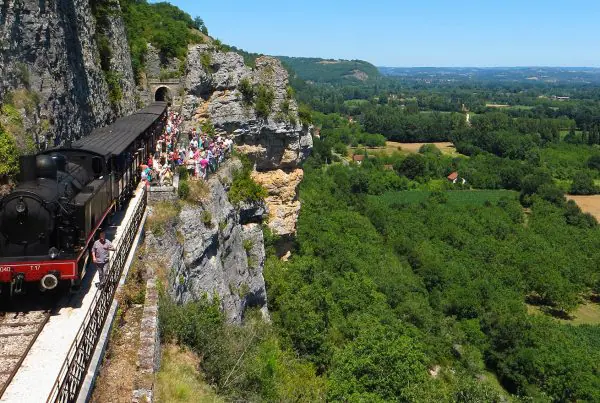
<point x="412" y="33"/>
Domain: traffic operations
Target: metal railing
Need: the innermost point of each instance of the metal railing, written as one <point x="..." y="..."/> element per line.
<point x="73" y="372"/>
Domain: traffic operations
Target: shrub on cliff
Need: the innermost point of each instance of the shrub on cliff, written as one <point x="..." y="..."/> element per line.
<point x="9" y="154"/>
<point x="162" y="213"/>
<point x="243" y="363"/>
<point x="264" y="101"/>
<point x="247" y="91"/>
<point x="244" y="189"/>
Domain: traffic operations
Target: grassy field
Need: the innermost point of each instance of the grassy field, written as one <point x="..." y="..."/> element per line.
<point x="585" y="314"/>
<point x="179" y="379"/>
<point x="505" y="106"/>
<point x="392" y="147"/>
<point x="455" y="197"/>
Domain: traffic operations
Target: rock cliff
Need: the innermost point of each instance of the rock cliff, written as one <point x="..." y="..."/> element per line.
<point x="257" y="107"/>
<point x="216" y="249"/>
<point x="50" y="50"/>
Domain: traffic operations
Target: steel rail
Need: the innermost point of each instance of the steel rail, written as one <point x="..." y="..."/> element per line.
<point x="33" y="335"/>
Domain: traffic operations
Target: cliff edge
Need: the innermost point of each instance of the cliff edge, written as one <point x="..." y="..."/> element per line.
<point x="256" y="106"/>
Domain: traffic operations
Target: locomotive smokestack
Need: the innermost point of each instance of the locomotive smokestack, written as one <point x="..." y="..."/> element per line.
<point x="28" y="168"/>
<point x="46" y="166"/>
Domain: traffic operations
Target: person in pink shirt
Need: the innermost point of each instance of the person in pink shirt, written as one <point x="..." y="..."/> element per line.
<point x="204" y="166"/>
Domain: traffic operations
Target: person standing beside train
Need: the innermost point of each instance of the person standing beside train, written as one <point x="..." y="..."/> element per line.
<point x="100" y="256"/>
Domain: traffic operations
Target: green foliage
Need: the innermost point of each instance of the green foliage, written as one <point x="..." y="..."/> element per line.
<point x="247" y="90"/>
<point x="163" y="25"/>
<point x="206" y="218"/>
<point x="170" y="74"/>
<point x="248" y="245"/>
<point x="9" y="154"/>
<point x="206" y="61"/>
<point x="184" y="189"/>
<point x="413" y="166"/>
<point x="24" y="74"/>
<point x="264" y="101"/>
<point x="183" y="173"/>
<point x="115" y="92"/>
<point x="335" y="129"/>
<point x="208" y="127"/>
<point x="430" y="149"/>
<point x="329" y="71"/>
<point x="163" y="214"/>
<point x="305" y="115"/>
<point x="241" y="362"/>
<point x="244" y="189"/>
<point x="220" y="46"/>
<point x="583" y="184"/>
<point x="411" y="279"/>
<point x="200" y="26"/>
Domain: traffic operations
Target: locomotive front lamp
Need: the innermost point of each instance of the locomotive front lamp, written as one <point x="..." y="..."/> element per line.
<point x="53" y="253"/>
<point x="21" y="207"/>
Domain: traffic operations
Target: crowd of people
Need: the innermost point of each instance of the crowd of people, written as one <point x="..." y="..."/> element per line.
<point x="201" y="156"/>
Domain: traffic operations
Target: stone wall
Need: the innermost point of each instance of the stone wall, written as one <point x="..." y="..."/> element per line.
<point x="149" y="350"/>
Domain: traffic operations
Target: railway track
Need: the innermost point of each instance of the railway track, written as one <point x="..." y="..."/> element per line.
<point x="18" y="332"/>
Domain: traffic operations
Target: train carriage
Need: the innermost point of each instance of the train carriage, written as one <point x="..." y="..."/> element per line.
<point x="48" y="222"/>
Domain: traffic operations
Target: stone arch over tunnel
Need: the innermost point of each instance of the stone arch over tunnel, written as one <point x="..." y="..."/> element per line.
<point x="163" y="94"/>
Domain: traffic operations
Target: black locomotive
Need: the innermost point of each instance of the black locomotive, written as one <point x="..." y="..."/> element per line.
<point x="48" y="222"/>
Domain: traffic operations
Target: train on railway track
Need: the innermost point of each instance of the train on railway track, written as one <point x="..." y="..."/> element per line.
<point x="65" y="194"/>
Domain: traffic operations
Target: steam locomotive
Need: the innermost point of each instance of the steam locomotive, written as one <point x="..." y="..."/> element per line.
<point x="48" y="222"/>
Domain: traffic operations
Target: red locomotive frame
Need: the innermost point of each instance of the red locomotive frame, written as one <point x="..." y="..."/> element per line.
<point x="68" y="269"/>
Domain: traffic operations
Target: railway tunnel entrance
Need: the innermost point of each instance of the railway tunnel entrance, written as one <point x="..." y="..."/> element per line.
<point x="163" y="94"/>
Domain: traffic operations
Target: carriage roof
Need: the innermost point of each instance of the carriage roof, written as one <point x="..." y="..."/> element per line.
<point x="116" y="137"/>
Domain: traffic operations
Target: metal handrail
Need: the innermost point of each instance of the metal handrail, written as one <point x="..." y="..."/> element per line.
<point x="73" y="372"/>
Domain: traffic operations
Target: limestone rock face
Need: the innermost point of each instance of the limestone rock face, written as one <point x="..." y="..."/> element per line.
<point x="276" y="141"/>
<point x="49" y="48"/>
<point x="282" y="202"/>
<point x="223" y="258"/>
<point x="155" y="63"/>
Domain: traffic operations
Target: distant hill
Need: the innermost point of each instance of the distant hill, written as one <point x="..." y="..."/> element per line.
<point x="550" y="75"/>
<point x="330" y="70"/>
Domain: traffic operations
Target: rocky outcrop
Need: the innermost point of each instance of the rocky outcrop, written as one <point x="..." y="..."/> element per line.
<point x="156" y="63"/>
<point x="213" y="251"/>
<point x="214" y="86"/>
<point x="49" y="48"/>
<point x="282" y="202"/>
<point x="223" y="90"/>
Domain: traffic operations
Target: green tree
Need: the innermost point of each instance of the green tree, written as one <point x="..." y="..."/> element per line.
<point x="413" y="166"/>
<point x="380" y="361"/>
<point x="583" y="184"/>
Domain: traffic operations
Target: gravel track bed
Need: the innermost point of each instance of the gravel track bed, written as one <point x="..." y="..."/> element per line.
<point x="17" y="330"/>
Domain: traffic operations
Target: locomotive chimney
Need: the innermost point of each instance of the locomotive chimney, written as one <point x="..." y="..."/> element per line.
<point x="46" y="166"/>
<point x="28" y="168"/>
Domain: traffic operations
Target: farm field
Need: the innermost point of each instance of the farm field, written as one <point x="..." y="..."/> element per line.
<point x="455" y="197"/>
<point x="391" y="147"/>
<point x="589" y="204"/>
<point x="585" y="314"/>
<point x="506" y="106"/>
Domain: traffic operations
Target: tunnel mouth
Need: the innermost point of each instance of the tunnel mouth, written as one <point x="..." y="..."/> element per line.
<point x="162" y="94"/>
